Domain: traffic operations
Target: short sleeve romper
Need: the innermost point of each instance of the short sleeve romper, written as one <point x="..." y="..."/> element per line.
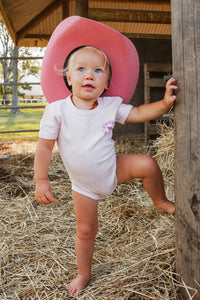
<point x="85" y="144"/>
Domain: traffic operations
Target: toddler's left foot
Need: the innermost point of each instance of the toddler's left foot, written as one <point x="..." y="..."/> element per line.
<point x="165" y="206"/>
<point x="77" y="285"/>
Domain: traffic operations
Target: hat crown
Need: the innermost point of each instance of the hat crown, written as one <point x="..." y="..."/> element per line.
<point x="76" y="31"/>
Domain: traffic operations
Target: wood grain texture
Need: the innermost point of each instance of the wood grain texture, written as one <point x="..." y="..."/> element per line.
<point x="186" y="69"/>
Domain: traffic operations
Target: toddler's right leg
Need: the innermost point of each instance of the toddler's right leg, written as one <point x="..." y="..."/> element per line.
<point x="130" y="166"/>
<point x="87" y="226"/>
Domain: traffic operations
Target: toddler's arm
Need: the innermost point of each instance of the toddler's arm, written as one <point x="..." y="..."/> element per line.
<point x="43" y="192"/>
<point x="150" y="111"/>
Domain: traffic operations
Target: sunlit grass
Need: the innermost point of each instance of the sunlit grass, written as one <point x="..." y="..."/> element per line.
<point x="28" y="119"/>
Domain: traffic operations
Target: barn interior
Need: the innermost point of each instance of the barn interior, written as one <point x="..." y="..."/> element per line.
<point x="136" y="246"/>
<point x="147" y="23"/>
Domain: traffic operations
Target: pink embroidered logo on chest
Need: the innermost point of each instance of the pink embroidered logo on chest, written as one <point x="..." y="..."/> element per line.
<point x="108" y="126"/>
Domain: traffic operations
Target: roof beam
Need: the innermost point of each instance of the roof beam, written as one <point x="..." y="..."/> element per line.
<point x="36" y="20"/>
<point x="147" y="36"/>
<point x="9" y="25"/>
<point x="125" y="15"/>
<point x="143" y="1"/>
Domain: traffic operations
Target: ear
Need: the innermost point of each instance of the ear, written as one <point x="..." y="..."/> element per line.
<point x="107" y="86"/>
<point x="68" y="76"/>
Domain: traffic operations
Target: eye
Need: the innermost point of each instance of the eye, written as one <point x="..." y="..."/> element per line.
<point x="98" y="71"/>
<point x="81" y="69"/>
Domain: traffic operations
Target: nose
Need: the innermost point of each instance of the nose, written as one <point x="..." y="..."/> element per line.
<point x="89" y="75"/>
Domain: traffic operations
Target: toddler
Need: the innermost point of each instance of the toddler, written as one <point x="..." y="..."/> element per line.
<point x="82" y="125"/>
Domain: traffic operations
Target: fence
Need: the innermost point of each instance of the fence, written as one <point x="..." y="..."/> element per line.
<point x="26" y="100"/>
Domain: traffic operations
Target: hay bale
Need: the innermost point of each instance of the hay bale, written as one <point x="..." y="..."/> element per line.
<point x="163" y="151"/>
<point x="135" y="247"/>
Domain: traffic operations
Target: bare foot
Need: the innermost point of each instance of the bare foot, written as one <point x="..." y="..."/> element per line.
<point x="77" y="285"/>
<point x="165" y="206"/>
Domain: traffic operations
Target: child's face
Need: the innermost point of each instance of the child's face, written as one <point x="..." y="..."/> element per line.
<point x="88" y="74"/>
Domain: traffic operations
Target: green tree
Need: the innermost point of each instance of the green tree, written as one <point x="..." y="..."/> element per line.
<point x="24" y="67"/>
<point x="7" y="48"/>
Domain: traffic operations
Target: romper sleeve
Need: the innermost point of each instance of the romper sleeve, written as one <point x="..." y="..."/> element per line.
<point x="50" y="123"/>
<point x="123" y="112"/>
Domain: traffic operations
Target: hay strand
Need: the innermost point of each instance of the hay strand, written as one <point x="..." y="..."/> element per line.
<point x="135" y="247"/>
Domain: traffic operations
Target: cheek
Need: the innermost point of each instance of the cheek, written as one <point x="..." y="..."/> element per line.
<point x="74" y="79"/>
<point x="106" y="83"/>
<point x="69" y="78"/>
<point x="106" y="87"/>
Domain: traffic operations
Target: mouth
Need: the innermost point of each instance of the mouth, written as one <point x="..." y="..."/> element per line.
<point x="88" y="86"/>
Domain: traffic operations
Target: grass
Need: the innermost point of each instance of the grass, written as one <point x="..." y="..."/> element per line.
<point x="28" y="119"/>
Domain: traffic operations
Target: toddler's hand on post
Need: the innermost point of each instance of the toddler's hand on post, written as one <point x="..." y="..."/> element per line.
<point x="169" y="97"/>
<point x="43" y="192"/>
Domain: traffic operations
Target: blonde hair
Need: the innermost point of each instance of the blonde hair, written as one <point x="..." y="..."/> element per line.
<point x="70" y="60"/>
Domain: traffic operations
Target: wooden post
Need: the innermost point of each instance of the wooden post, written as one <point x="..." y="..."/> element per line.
<point x="65" y="9"/>
<point x="82" y="8"/>
<point x="186" y="69"/>
<point x="15" y="80"/>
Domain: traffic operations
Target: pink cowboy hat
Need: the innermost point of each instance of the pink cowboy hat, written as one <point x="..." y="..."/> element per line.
<point x="76" y="31"/>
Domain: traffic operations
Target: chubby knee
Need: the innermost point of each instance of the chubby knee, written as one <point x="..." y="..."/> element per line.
<point x="131" y="166"/>
<point x="151" y="166"/>
<point x="87" y="231"/>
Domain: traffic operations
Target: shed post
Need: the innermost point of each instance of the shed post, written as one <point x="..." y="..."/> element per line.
<point x="186" y="69"/>
<point x="82" y="8"/>
<point x="65" y="9"/>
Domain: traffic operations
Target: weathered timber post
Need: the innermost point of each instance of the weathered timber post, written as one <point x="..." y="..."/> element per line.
<point x="15" y="80"/>
<point x="186" y="69"/>
<point x="82" y="8"/>
<point x="65" y="9"/>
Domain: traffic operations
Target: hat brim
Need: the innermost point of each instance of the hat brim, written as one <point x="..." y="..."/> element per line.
<point x="76" y="31"/>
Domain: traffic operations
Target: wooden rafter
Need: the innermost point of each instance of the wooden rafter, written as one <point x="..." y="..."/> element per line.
<point x="125" y="15"/>
<point x="23" y="32"/>
<point x="144" y="1"/>
<point x="7" y="21"/>
<point x="40" y="17"/>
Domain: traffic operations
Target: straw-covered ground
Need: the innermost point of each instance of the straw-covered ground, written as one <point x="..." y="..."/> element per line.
<point x="135" y="247"/>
